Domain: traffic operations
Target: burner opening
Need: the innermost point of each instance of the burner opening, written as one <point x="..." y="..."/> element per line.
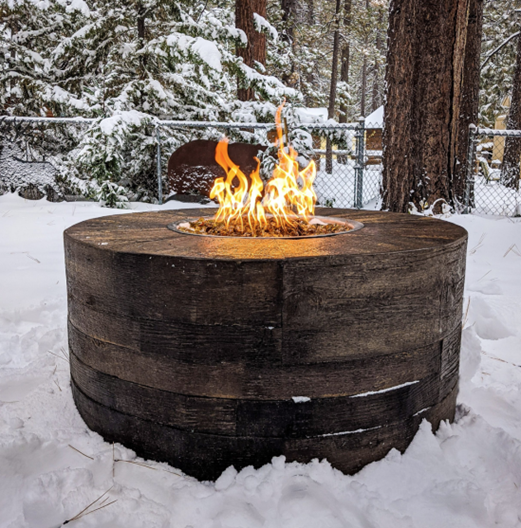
<point x="318" y="226"/>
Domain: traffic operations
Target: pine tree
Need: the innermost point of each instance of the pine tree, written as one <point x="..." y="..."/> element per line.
<point x="512" y="154"/>
<point x="498" y="56"/>
<point x="422" y="109"/>
<point x="126" y="63"/>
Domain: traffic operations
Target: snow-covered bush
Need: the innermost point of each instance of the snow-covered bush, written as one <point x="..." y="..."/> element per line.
<point x="120" y="149"/>
<point x="126" y="63"/>
<point x="112" y="195"/>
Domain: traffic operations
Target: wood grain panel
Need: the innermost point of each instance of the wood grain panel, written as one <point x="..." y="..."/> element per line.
<point x="268" y="418"/>
<point x="238" y="377"/>
<point x="205" y="456"/>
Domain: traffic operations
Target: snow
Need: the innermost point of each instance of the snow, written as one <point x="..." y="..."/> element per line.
<point x="76" y="5"/>
<point x="15" y="172"/>
<point x="206" y="49"/>
<point x="300" y="399"/>
<point x="208" y="52"/>
<point x="342" y="433"/>
<point x="261" y="24"/>
<point x="467" y="475"/>
<point x="130" y="117"/>
<point x="396" y="387"/>
<point x="376" y="119"/>
<point x="311" y="115"/>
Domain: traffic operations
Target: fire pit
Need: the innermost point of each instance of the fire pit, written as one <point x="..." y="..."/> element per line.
<point x="266" y="328"/>
<point x="208" y="351"/>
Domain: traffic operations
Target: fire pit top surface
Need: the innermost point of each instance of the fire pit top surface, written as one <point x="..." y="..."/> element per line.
<point x="183" y="227"/>
<point x="148" y="233"/>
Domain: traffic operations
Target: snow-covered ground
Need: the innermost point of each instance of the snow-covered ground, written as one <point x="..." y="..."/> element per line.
<point x="338" y="188"/>
<point x="468" y="474"/>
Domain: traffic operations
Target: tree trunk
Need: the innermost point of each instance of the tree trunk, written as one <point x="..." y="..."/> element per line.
<point x="332" y="91"/>
<point x="311" y="12"/>
<point x="288" y="17"/>
<point x="376" y="70"/>
<point x="141" y="11"/>
<point x="469" y="99"/>
<point x="259" y="47"/>
<point x="255" y="50"/>
<point x="376" y="89"/>
<point x="424" y="76"/>
<point x="344" y="59"/>
<point x="512" y="154"/>
<point x="364" y="71"/>
<point x="310" y="19"/>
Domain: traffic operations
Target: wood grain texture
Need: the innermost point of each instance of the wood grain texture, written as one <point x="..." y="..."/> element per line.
<point x="193" y="347"/>
<point x="241" y="378"/>
<point x="284" y="418"/>
<point x="348" y="452"/>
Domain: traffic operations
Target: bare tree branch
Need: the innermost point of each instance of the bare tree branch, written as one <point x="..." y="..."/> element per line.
<point x="504" y="43"/>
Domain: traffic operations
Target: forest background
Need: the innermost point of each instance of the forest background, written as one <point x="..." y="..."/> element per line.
<point x="126" y="63"/>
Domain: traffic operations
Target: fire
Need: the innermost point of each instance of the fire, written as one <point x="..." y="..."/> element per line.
<point x="287" y="199"/>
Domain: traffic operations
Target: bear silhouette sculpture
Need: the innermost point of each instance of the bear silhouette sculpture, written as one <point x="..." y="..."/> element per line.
<point x="192" y="168"/>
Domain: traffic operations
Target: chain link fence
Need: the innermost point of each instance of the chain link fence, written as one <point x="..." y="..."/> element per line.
<point x="39" y="155"/>
<point x="348" y="174"/>
<point x="493" y="172"/>
<point x="34" y="154"/>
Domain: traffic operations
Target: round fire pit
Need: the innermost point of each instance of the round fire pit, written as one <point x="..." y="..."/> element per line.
<point x="207" y="352"/>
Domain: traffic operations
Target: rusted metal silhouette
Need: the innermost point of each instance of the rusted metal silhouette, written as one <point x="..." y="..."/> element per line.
<point x="192" y="168"/>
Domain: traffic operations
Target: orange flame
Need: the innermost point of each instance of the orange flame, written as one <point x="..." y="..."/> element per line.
<point x="288" y="194"/>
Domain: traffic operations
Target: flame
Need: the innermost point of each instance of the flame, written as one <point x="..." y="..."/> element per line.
<point x="288" y="194"/>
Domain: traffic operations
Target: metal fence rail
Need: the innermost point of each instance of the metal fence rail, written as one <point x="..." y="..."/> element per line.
<point x="492" y="183"/>
<point x="348" y="172"/>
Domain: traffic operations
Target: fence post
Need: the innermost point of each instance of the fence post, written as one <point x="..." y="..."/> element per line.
<point x="470" y="167"/>
<point x="158" y="163"/>
<point x="359" y="167"/>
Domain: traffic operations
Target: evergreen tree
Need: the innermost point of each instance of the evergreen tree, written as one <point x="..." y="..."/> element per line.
<point x="498" y="56"/>
<point x="126" y="63"/>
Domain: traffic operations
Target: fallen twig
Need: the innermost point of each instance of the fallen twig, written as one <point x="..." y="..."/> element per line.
<point x="513" y="248"/>
<point x="56" y="355"/>
<point x="502" y="360"/>
<point x="80" y="452"/>
<point x="65" y="355"/>
<point x="85" y="512"/>
<point x="146" y="466"/>
<point x="465" y="318"/>
<point x="478" y="245"/>
<point x="484" y="275"/>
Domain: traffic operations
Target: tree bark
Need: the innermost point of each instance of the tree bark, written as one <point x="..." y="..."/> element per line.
<point x="255" y="50"/>
<point x="376" y="70"/>
<point x="424" y="77"/>
<point x="344" y="58"/>
<point x="364" y="85"/>
<point x="512" y="154"/>
<point x="364" y="71"/>
<point x="332" y="91"/>
<point x="141" y="11"/>
<point x="469" y="99"/>
<point x="259" y="48"/>
<point x="311" y="12"/>
<point x="289" y="8"/>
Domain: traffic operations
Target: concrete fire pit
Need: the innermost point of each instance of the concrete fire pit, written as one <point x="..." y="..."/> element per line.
<point x="206" y="352"/>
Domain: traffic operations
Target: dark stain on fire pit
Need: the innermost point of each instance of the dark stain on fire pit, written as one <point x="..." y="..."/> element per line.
<point x="207" y="352"/>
